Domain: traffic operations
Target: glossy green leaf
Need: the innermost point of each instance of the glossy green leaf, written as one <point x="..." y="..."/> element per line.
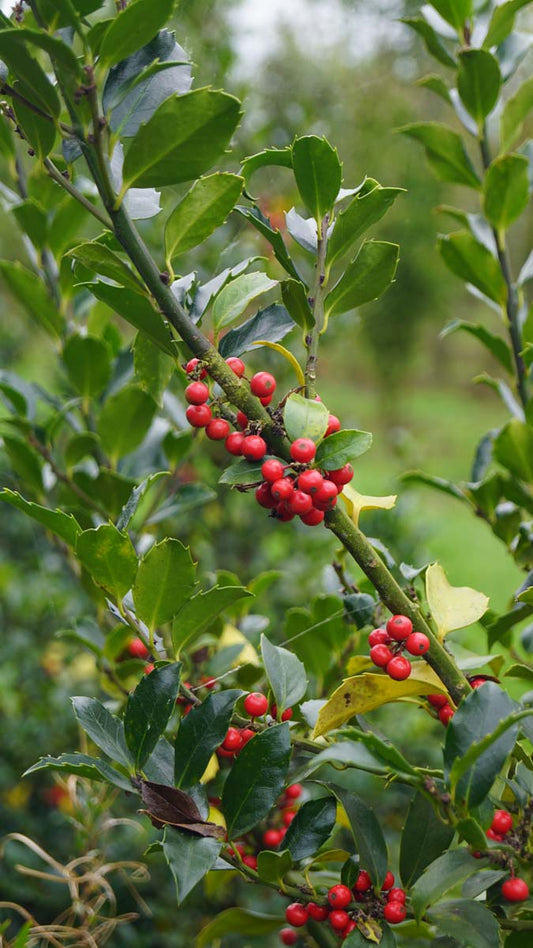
<point x="199" y="735"/>
<point x="137" y="310"/>
<point x="39" y="132"/>
<point x="87" y="363"/>
<point x="311" y="827"/>
<point x="424" y="838"/>
<point x="341" y="447"/>
<point x="134" y="26"/>
<point x="495" y="344"/>
<point x="148" y="710"/>
<point x="366" y="278"/>
<point x="30" y="291"/>
<point x="184" y="137"/>
<point x="431" y="40"/>
<point x="109" y="558"/>
<point x="33" y="82"/>
<point x="271" y="866"/>
<point x="363" y="211"/>
<point x="382" y="749"/>
<point x="455" y="12"/>
<point x="165" y="580"/>
<point x="272" y="324"/>
<point x="469" y="830"/>
<point x="26" y="462"/>
<point x="62" y="524"/>
<point x="471" y="261"/>
<point x="318" y="174"/>
<point x="515" y="112"/>
<point x="367" y="833"/>
<point x="437" y="85"/>
<point x="305" y="418"/>
<point x="506" y="190"/>
<point x="261" y="223"/>
<point x="91" y="768"/>
<point x="189" y="858"/>
<point x="280" y="157"/>
<point x="285" y="672"/>
<point x="236" y="296"/>
<point x="344" y="754"/>
<point x="502" y="22"/>
<point x="33" y="220"/>
<point x="476" y="718"/>
<point x="110" y="489"/>
<point x="104" y="728"/>
<point x="442" y="874"/>
<point x="468" y="921"/>
<point x="242" y="472"/>
<point x="445" y="152"/>
<point x="513" y="448"/>
<point x="478" y="82"/>
<point x="238" y="921"/>
<point x="303" y="230"/>
<point x="99" y="258"/>
<point x="256" y="779"/>
<point x="197" y="614"/>
<point x="294" y="295"/>
<point x="202" y="210"/>
<point x="125" y="419"/>
<point x="153" y="368"/>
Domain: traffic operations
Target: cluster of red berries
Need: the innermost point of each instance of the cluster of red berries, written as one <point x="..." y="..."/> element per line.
<point x="442" y="706"/>
<point x="256" y="705"/>
<point x="386" y="646"/>
<point x="513" y="889"/>
<point x="339" y="912"/>
<point x="200" y="414"/>
<point x="273" y="835"/>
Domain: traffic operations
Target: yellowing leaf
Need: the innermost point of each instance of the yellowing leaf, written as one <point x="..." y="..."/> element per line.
<point x="211" y="770"/>
<point x="232" y="636"/>
<point x="370" y="930"/>
<point x="215" y="816"/>
<point x="452" y="607"/>
<point x="287" y="355"/>
<point x="359" y="663"/>
<point x="356" y="502"/>
<point x="365" y="692"/>
<point x="341" y="817"/>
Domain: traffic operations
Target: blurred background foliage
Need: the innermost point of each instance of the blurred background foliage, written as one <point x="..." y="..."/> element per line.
<point x="328" y="67"/>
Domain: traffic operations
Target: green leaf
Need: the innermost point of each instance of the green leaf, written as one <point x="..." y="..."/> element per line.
<point x="367" y="833"/>
<point x="318" y="174"/>
<point x="515" y="112"/>
<point x="445" y="152"/>
<point x="148" y="710"/>
<point x="311" y="827"/>
<point x="383" y="749"/>
<point x="33" y="83"/>
<point x="424" y="838"/>
<point x="513" y="447"/>
<point x="238" y="921"/>
<point x="294" y="295"/>
<point x="471" y="261"/>
<point x="366" y="278"/>
<point x="202" y="210"/>
<point x="476" y="718"/>
<point x="40" y="132"/>
<point x="282" y="157"/>
<point x="455" y="12"/>
<point x="64" y="525"/>
<point x="136" y="25"/>
<point x="184" y="137"/>
<point x="197" y="614"/>
<point x="431" y="40"/>
<point x="153" y="368"/>
<point x="285" y="672"/>
<point x="363" y="211"/>
<point x="502" y="22"/>
<point x="256" y="779"/>
<point x="136" y="310"/>
<point x="33" y="220"/>
<point x="104" y="729"/>
<point x="242" y="472"/>
<point x="165" y="580"/>
<point x="341" y="447"/>
<point x="26" y="463"/>
<point x="271" y="867"/>
<point x="437" y="85"/>
<point x="30" y="291"/>
<point x="109" y="558"/>
<point x="236" y="296"/>
<point x="468" y="921"/>
<point x="271" y="324"/>
<point x="450" y="869"/>
<point x="305" y="418"/>
<point x="83" y="766"/>
<point x="125" y="420"/>
<point x="495" y="344"/>
<point x="478" y="82"/>
<point x="262" y="224"/>
<point x="199" y="735"/>
<point x="99" y="258"/>
<point x="506" y="190"/>
<point x="189" y="857"/>
<point x="87" y="363"/>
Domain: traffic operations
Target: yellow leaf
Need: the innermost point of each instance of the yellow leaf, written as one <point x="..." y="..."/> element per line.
<point x="452" y="607"/>
<point x="215" y="816"/>
<point x="288" y="356"/>
<point x="365" y="692"/>
<point x="359" y="663"/>
<point x="370" y="930"/>
<point x="356" y="502"/>
<point x="211" y="770"/>
<point x="232" y="636"/>
<point x="341" y="817"/>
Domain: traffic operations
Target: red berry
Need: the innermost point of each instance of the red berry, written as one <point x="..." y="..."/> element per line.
<point x="477" y="682"/>
<point x="287" y="714"/>
<point x="182" y="699"/>
<point x="137" y="649"/>
<point x="218" y="429"/>
<point x="255" y="704"/>
<point x="363" y="882"/>
<point x="196" y="393"/>
<point x="326" y="497"/>
<point x="236" y="365"/>
<point x="339" y="920"/>
<point x="208" y="681"/>
<point x="272" y="470"/>
<point x="283" y="513"/>
<point x="288" y="936"/>
<point x="494" y="836"/>
<point x="242" y="420"/>
<point x="198" y="415"/>
<point x="381" y="655"/>
<point x="378" y="637"/>
<point x="310" y="481"/>
<point x="417" y="643"/>
<point x="293" y="791"/>
<point x="396" y="895"/>
<point x="349" y="928"/>
<point x="333" y="425"/>
<point x="234" y="443"/>
<point x="446" y="713"/>
<point x="221" y="751"/>
<point x="254" y="448"/>
<point x="303" y="450"/>
<point x="388" y="882"/>
<point x="272" y="838"/>
<point x="437" y="701"/>
<point x="502" y="822"/>
<point x="264" y="497"/>
<point x="341" y="476"/>
<point x="262" y="383"/>
<point x="313" y="518"/>
<point x="246" y="735"/>
<point x="236" y="847"/>
<point x="282" y="488"/>
<point x="192" y="366"/>
<point x="339" y="896"/>
<point x="296" y="914"/>
<point x="399" y="668"/>
<point x="394" y="912"/>
<point x="288" y="817"/>
<point x="265" y="400"/>
<point x="515" y="890"/>
<point x="149" y="668"/>
<point x="300" y="503"/>
<point x="250" y="861"/>
<point x="399" y="627"/>
<point x="318" y="912"/>
<point x="232" y="740"/>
